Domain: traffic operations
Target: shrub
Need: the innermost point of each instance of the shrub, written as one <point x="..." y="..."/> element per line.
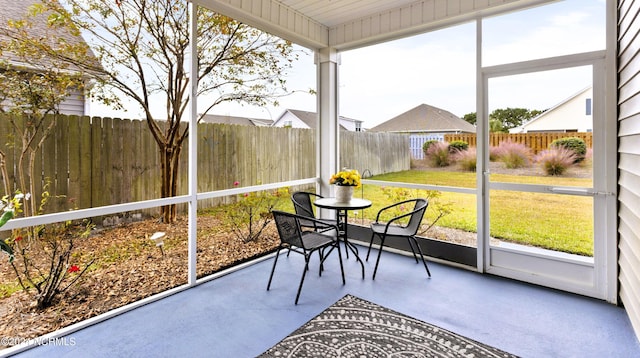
<point x="555" y="161"/>
<point x="588" y="158"/>
<point x="458" y="145"/>
<point x="494" y="154"/>
<point x="43" y="257"/>
<point x="438" y="154"/>
<point x="437" y="207"/>
<point x="514" y="155"/>
<point x="250" y="215"/>
<point x="427" y="144"/>
<point x="574" y="144"/>
<point x="467" y="159"/>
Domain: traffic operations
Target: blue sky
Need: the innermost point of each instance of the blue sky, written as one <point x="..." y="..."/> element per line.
<point x="438" y="68"/>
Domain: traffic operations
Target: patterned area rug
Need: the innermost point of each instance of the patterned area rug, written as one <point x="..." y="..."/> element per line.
<point x="353" y="327"/>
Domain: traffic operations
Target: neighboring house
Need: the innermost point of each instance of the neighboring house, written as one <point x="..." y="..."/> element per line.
<point x="302" y="119"/>
<point x="244" y="121"/>
<point x="424" y="123"/>
<point x="426" y="119"/>
<point x="77" y="103"/>
<point x="571" y="115"/>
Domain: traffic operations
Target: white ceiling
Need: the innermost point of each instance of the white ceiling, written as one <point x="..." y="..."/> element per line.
<point x="334" y="12"/>
<point x="347" y="24"/>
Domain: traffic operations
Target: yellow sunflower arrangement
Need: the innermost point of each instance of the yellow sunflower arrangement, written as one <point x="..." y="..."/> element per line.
<point x="346" y="178"/>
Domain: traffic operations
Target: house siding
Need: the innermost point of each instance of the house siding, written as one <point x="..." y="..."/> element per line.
<point x="303" y="119"/>
<point x="573" y="115"/>
<point x="74" y="104"/>
<point x="290" y="117"/>
<point x="629" y="158"/>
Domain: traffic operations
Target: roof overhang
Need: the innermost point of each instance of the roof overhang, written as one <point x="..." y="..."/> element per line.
<point x="348" y="24"/>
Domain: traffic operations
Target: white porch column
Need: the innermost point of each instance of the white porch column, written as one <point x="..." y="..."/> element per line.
<point x="193" y="144"/>
<point x="328" y="133"/>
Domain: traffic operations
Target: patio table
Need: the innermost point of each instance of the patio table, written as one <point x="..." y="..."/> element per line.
<point x="342" y="209"/>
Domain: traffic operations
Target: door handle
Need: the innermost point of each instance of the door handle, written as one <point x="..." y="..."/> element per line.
<point x="572" y="191"/>
<point x="579" y="191"/>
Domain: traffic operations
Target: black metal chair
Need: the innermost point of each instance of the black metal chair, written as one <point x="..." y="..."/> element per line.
<point x="303" y="205"/>
<point x="292" y="237"/>
<point x="395" y="228"/>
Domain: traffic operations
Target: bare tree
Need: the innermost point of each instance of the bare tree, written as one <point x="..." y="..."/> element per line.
<point x="143" y="47"/>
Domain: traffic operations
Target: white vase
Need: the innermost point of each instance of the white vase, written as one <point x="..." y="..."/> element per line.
<point x="343" y="193"/>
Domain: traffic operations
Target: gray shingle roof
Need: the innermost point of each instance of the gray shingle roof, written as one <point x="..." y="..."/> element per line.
<point x="215" y="118"/>
<point x="13" y="10"/>
<point x="311" y="118"/>
<point x="425" y="118"/>
<point x="18" y="9"/>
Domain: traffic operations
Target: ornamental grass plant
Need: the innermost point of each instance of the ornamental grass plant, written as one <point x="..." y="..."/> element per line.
<point x="574" y="144"/>
<point x="514" y="155"/>
<point x="466" y="159"/>
<point x="438" y="154"/>
<point x="556" y="161"/>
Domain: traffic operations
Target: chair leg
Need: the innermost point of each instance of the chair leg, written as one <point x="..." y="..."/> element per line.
<point x="304" y="272"/>
<point x="273" y="269"/>
<point x="370" y="244"/>
<point x="324" y="257"/>
<point x="375" y="270"/>
<point x="412" y="249"/>
<point x="321" y="257"/>
<point x="421" y="255"/>
<point x="334" y="246"/>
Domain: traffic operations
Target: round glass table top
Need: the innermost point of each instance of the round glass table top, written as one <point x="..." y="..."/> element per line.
<point x="332" y="203"/>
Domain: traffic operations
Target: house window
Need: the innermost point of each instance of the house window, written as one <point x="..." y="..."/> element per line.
<point x="358" y="127"/>
<point x="588" y="112"/>
<point x="288" y="124"/>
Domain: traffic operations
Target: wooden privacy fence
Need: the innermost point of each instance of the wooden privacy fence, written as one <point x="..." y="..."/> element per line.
<point x="376" y="152"/>
<point x="103" y="161"/>
<point x="536" y="141"/>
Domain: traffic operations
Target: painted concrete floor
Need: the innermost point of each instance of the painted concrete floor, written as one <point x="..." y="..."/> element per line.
<point x="234" y="315"/>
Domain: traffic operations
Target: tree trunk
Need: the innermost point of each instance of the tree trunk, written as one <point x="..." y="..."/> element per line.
<point x="170" y="165"/>
<point x="32" y="185"/>
<point x="28" y="208"/>
<point x="174" y="177"/>
<point x="165" y="167"/>
<point x="4" y="175"/>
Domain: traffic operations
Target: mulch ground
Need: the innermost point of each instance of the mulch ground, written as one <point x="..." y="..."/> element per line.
<point x="128" y="268"/>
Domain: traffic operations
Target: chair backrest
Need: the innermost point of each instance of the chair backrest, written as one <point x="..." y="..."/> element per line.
<point x="288" y="228"/>
<point x="302" y="203"/>
<point x="419" y="209"/>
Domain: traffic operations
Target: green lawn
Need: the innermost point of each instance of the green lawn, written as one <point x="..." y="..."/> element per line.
<point x="557" y="222"/>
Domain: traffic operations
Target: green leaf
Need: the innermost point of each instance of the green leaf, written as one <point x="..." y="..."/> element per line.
<point x="6" y="248"/>
<point x="6" y="216"/>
